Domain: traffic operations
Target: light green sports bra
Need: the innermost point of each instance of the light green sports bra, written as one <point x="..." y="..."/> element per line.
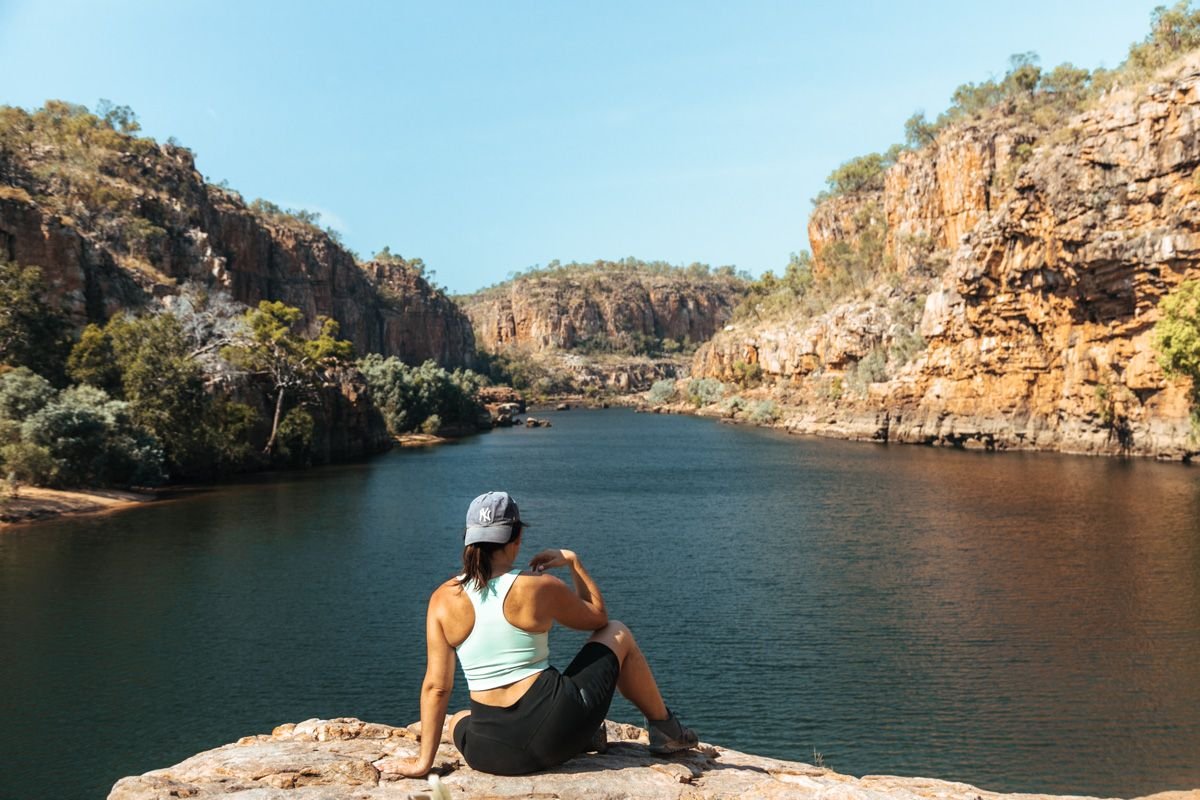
<point x="497" y="653"/>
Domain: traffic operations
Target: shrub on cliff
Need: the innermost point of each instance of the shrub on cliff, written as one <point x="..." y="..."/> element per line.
<point x="1177" y="338"/>
<point x="771" y="295"/>
<point x="861" y="174"/>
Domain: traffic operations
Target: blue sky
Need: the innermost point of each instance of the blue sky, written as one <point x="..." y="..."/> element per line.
<point x="486" y="137"/>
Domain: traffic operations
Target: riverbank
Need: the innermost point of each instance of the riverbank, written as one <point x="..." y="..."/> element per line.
<point x="33" y="503"/>
<point x="348" y="757"/>
<point x="863" y="423"/>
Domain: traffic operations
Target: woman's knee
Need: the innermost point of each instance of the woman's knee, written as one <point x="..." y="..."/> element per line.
<point x="617" y="636"/>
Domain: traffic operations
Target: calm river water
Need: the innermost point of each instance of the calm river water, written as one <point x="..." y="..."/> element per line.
<point x="1021" y="622"/>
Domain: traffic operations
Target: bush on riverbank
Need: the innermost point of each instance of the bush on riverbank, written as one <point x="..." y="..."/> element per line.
<point x="425" y="398"/>
<point x="77" y="437"/>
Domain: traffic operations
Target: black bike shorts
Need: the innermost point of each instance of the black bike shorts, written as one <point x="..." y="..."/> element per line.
<point x="553" y="722"/>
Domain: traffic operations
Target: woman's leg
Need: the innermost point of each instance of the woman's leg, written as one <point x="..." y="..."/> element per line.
<point x="636" y="683"/>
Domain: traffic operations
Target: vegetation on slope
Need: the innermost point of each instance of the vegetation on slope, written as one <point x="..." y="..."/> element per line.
<point x="592" y="271"/>
<point x="1177" y="339"/>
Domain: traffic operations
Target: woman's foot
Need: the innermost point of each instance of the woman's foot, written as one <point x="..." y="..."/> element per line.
<point x="670" y="735"/>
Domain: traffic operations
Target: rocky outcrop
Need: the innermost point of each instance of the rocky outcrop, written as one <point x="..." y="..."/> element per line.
<point x="1049" y="263"/>
<point x="172" y="227"/>
<point x="571" y="308"/>
<point x="350" y="758"/>
<point x="414" y="321"/>
<point x="349" y="425"/>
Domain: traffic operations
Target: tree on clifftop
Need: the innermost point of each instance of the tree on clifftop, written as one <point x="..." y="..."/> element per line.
<point x="291" y="363"/>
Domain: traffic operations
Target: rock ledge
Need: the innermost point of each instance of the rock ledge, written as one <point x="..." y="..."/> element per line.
<point x="341" y="758"/>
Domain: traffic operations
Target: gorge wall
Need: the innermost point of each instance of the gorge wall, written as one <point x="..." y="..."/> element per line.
<point x="1033" y="274"/>
<point x="165" y="226"/>
<point x="615" y="326"/>
<point x="570" y="307"/>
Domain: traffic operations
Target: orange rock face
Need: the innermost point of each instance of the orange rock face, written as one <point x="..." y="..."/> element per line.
<point x="562" y="312"/>
<point x="1038" y="332"/>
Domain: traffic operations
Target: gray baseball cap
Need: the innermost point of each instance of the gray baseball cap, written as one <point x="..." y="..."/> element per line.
<point x="490" y="518"/>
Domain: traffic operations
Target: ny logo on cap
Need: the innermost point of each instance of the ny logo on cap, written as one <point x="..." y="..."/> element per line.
<point x="485" y="515"/>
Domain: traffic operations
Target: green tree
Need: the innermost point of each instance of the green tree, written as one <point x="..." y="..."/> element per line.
<point x="164" y="386"/>
<point x="32" y="332"/>
<point x="93" y="361"/>
<point x="165" y="366"/>
<point x="120" y="118"/>
<point x="861" y="174"/>
<point x="919" y="131"/>
<point x="290" y="364"/>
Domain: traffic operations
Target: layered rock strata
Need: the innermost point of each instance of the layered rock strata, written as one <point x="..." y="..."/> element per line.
<point x="350" y="758"/>
<point x="1038" y="329"/>
<point x="541" y="312"/>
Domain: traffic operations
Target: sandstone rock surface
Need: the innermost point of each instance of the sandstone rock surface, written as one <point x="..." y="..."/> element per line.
<point x="572" y="308"/>
<point x="342" y="759"/>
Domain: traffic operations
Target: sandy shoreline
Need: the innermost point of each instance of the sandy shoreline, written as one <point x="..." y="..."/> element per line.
<point x="33" y="504"/>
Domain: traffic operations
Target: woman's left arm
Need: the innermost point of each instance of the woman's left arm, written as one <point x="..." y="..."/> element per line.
<point x="435" y="693"/>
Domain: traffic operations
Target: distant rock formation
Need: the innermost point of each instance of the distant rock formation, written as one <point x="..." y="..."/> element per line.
<point x="1052" y="261"/>
<point x="342" y="758"/>
<point x="583" y="305"/>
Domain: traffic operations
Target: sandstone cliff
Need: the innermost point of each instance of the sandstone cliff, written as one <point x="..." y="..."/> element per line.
<point x="1032" y="273"/>
<point x="114" y="221"/>
<point x="607" y="326"/>
<point x="344" y="757"/>
<point x="566" y="307"/>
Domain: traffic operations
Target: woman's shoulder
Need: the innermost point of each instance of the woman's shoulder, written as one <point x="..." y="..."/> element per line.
<point x="537" y="583"/>
<point x="451" y="587"/>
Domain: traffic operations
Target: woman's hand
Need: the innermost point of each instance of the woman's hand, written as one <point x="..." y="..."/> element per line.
<point x="408" y="767"/>
<point x="549" y="559"/>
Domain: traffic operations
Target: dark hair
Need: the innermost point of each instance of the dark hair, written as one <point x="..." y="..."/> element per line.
<point x="477" y="558"/>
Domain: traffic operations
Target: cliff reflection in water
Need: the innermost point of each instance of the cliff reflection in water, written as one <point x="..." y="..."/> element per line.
<point x="1021" y="622"/>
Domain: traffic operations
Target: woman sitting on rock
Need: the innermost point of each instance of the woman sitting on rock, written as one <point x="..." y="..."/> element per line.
<point x="525" y="715"/>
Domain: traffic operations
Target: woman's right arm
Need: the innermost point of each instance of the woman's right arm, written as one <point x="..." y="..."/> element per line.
<point x="582" y="609"/>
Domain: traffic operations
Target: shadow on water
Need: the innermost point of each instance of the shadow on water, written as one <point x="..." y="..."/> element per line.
<point x="1022" y="622"/>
